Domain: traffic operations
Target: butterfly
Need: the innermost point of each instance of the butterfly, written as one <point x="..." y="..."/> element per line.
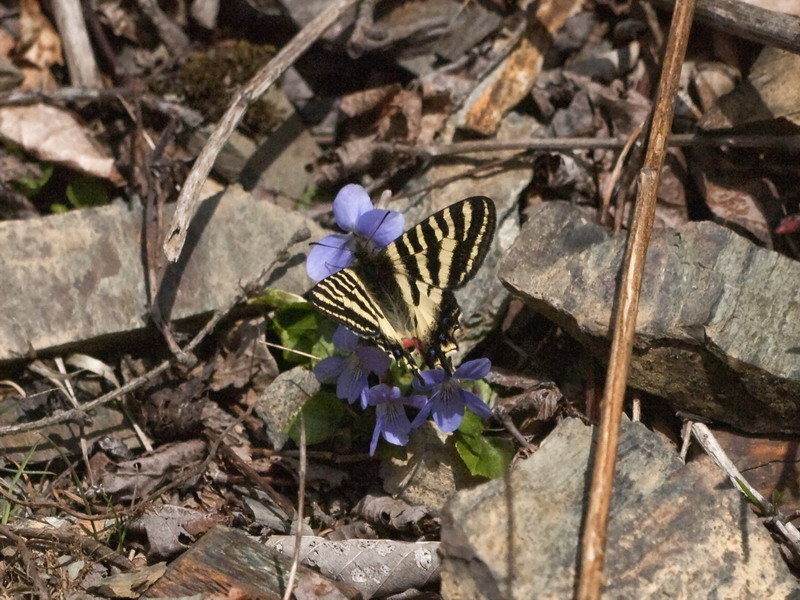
<point x="402" y="296"/>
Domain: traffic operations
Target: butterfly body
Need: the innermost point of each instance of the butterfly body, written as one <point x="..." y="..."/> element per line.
<point x="402" y="296"/>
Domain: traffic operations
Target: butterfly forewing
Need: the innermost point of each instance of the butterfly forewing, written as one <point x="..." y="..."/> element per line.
<point x="447" y="249"/>
<point x="402" y="295"/>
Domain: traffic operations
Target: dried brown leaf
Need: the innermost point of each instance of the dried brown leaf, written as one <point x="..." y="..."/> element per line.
<point x="396" y="514"/>
<point x="54" y="135"/>
<point x="738" y="203"/>
<point x="39" y="43"/>
<point x="244" y="359"/>
<point x="169" y="529"/>
<point x="135" y="478"/>
<point x="129" y="585"/>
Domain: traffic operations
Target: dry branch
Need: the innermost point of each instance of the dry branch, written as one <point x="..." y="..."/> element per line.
<point x="594" y="537"/>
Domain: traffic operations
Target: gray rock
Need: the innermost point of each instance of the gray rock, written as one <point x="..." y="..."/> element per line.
<point x="282" y="400"/>
<point x="76" y="277"/>
<point x="718" y="332"/>
<point x="675" y="532"/>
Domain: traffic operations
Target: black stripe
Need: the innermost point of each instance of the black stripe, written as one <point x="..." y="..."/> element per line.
<point x="433" y="258"/>
<point x="442" y="223"/>
<point x="409" y="263"/>
<point x="349" y="294"/>
<point x="462" y="251"/>
<point x="334" y="294"/>
<point x="412" y="236"/>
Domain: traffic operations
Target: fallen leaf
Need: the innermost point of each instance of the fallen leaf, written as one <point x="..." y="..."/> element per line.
<point x="39" y="42"/>
<point x="129" y="585"/>
<point x="737" y="203"/>
<point x="53" y="134"/>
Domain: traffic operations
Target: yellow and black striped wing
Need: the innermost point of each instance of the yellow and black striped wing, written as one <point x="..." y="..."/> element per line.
<point x="402" y="296"/>
<point x="346" y="298"/>
<point x="447" y="249"/>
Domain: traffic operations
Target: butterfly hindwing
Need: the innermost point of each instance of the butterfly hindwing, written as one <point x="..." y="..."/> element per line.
<point x="401" y="296"/>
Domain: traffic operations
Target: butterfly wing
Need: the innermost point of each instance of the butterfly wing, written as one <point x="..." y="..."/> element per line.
<point x="447" y="249"/>
<point x="402" y="296"/>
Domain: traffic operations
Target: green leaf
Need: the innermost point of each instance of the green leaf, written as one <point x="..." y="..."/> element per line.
<point x="30" y="186"/>
<point x="300" y="327"/>
<point x="324" y="415"/>
<point x="84" y="192"/>
<point x="275" y="298"/>
<point x="483" y="456"/>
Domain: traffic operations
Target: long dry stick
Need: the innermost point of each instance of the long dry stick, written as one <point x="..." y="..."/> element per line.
<point x="260" y="83"/>
<point x="594" y="537"/>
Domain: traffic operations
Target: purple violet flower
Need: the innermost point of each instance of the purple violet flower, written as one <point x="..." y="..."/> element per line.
<point x="352" y="370"/>
<point x="391" y="420"/>
<point x="448" y="400"/>
<point x="369" y="229"/>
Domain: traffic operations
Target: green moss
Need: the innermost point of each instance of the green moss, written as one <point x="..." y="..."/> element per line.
<point x="208" y="81"/>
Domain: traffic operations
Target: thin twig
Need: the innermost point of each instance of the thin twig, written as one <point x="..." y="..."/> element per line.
<point x="173" y="36"/>
<point x="594" y="537"/>
<point x="63" y="95"/>
<point x="258" y="85"/>
<point x="680" y="140"/>
<point x="27" y="560"/>
<point x="703" y="435"/>
<point x="749" y="21"/>
<point x="70" y="393"/>
<point x="617" y="171"/>
<point x="71" y="25"/>
<point x="252" y="475"/>
<point x="301" y="493"/>
<point x="73" y="539"/>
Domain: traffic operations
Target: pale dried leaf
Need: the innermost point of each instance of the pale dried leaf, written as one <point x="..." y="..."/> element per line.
<point x="313" y="586"/>
<point x="735" y="204"/>
<point x="373" y="567"/>
<point x="359" y="103"/>
<point x="129" y="585"/>
<point x="395" y="513"/>
<point x="53" y="134"/>
<point x="169" y="529"/>
<point x="38" y="38"/>
<point x="93" y="365"/>
<point x="790" y="7"/>
<point x="114" y="13"/>
<point x="140" y="476"/>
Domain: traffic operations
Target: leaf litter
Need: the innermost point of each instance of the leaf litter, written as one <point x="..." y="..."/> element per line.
<point x="209" y="440"/>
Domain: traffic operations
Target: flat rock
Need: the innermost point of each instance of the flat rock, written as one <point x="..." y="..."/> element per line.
<point x="769" y="93"/>
<point x="675" y="531"/>
<point x="719" y="318"/>
<point x="282" y="400"/>
<point x="79" y="276"/>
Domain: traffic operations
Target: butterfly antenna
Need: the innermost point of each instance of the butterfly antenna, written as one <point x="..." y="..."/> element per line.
<point x="378" y="226"/>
